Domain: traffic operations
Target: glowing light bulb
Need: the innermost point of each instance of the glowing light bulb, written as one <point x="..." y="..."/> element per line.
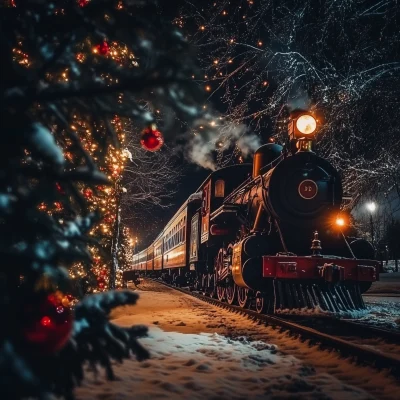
<point x="306" y="124"/>
<point x="340" y="221"/>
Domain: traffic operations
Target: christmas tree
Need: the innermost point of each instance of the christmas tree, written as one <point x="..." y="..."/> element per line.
<point x="64" y="82"/>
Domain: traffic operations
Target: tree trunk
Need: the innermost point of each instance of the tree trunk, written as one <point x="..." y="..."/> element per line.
<point x="115" y="241"/>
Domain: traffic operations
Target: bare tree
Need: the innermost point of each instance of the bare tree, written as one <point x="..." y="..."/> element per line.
<point x="150" y="179"/>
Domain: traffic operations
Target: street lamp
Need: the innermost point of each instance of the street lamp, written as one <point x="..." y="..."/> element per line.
<point x="371" y="207"/>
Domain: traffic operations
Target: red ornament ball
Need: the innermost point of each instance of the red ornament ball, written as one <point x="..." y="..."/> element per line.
<point x="103" y="48"/>
<point x="151" y="139"/>
<point x="101" y="283"/>
<point x="46" y="324"/>
<point x="83" y="3"/>
<point x="103" y="272"/>
<point x="88" y="193"/>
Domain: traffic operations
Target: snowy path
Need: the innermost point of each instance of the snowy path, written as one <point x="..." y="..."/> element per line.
<point x="203" y="352"/>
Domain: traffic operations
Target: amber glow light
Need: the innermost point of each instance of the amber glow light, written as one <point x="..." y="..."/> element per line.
<point x="340" y="221"/>
<point x="306" y="124"/>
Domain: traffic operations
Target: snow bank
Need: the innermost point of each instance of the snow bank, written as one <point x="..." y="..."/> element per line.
<point x="383" y="312"/>
<point x="202" y="352"/>
<point x="211" y="366"/>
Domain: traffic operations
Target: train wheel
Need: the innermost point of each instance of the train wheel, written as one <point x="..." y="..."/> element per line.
<point x="221" y="292"/>
<point x="243" y="296"/>
<point x="261" y="303"/>
<point x="231" y="293"/>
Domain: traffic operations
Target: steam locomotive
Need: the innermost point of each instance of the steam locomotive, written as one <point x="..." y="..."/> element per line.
<point x="268" y="235"/>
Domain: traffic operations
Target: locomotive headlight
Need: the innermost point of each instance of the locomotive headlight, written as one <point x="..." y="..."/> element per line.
<point x="340" y="221"/>
<point x="306" y="124"/>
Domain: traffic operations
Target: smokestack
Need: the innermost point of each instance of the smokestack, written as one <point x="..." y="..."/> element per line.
<point x="264" y="156"/>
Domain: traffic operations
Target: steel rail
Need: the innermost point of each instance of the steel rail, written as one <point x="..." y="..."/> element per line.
<point x="364" y="355"/>
<point x="354" y="326"/>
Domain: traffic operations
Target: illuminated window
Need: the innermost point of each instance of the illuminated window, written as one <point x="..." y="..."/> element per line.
<point x="219" y="188"/>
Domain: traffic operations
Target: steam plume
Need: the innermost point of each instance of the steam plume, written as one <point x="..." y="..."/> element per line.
<point x="202" y="147"/>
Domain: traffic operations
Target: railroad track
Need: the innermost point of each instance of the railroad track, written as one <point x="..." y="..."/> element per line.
<point x="350" y="333"/>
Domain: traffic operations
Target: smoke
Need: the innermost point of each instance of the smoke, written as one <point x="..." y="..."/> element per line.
<point x="249" y="144"/>
<point x="205" y="143"/>
<point x="200" y="150"/>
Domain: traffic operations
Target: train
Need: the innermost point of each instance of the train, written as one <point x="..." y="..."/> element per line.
<point x="270" y="235"/>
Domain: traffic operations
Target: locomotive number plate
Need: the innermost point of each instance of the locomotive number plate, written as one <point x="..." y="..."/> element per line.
<point x="308" y="189"/>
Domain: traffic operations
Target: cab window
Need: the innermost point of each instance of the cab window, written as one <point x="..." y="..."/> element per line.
<point x="219" y="188"/>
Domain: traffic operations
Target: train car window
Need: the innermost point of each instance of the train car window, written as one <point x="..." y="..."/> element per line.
<point x="219" y="188"/>
<point x="204" y="205"/>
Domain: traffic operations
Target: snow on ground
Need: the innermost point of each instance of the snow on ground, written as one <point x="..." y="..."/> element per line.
<point x="382" y="312"/>
<point x="203" y="352"/>
<point x="383" y="302"/>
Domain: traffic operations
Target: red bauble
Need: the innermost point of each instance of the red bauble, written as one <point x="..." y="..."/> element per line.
<point x="101" y="282"/>
<point x="46" y="324"/>
<point x="103" y="48"/>
<point x="83" y="3"/>
<point x="88" y="193"/>
<point x="103" y="272"/>
<point x="151" y="139"/>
